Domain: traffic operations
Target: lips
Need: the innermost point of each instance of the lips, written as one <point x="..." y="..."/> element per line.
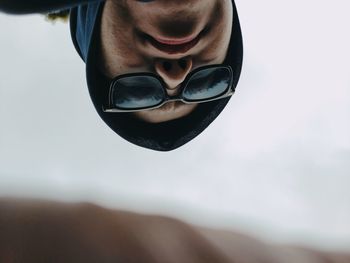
<point x="174" y="46"/>
<point x="176" y="41"/>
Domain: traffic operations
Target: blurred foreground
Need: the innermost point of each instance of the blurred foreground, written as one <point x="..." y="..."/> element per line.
<point x="39" y="231"/>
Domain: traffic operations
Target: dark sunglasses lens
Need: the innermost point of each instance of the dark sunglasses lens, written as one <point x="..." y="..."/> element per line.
<point x="207" y="84"/>
<point x="137" y="92"/>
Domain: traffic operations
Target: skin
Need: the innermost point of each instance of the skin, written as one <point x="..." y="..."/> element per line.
<point x="125" y="49"/>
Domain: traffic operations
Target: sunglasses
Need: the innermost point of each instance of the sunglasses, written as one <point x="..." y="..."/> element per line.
<point x="144" y="91"/>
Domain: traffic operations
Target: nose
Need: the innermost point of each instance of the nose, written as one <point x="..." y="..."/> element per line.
<point x="173" y="72"/>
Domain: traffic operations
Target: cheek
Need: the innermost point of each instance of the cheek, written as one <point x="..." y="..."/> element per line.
<point x="214" y="54"/>
<point x="119" y="55"/>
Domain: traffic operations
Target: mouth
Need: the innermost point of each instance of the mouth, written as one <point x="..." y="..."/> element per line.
<point x="175" y="45"/>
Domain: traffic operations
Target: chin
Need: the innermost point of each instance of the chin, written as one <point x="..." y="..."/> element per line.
<point x="168" y="112"/>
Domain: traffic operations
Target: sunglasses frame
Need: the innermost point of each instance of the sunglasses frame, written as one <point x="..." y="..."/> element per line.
<point x="179" y="97"/>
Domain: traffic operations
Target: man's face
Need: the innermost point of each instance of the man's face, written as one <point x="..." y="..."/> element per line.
<point x="166" y="37"/>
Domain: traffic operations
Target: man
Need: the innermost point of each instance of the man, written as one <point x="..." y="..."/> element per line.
<point x="159" y="72"/>
<point x="47" y="232"/>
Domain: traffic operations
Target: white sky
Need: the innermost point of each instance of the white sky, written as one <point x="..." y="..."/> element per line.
<point x="276" y="163"/>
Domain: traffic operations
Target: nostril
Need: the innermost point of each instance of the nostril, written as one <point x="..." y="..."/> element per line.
<point x="167" y="65"/>
<point x="183" y="64"/>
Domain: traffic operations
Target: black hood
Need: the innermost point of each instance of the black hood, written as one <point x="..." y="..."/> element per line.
<point x="167" y="136"/>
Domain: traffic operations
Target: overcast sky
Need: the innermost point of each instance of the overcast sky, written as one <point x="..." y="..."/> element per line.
<point x="276" y="163"/>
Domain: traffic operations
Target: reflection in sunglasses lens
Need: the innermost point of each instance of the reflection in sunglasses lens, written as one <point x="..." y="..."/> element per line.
<point x="207" y="84"/>
<point x="137" y="92"/>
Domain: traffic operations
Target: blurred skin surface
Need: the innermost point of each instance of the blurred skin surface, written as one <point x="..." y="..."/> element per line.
<point x="130" y="27"/>
<point x="42" y="232"/>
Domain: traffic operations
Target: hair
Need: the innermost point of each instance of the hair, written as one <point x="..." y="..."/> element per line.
<point x="62" y="15"/>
